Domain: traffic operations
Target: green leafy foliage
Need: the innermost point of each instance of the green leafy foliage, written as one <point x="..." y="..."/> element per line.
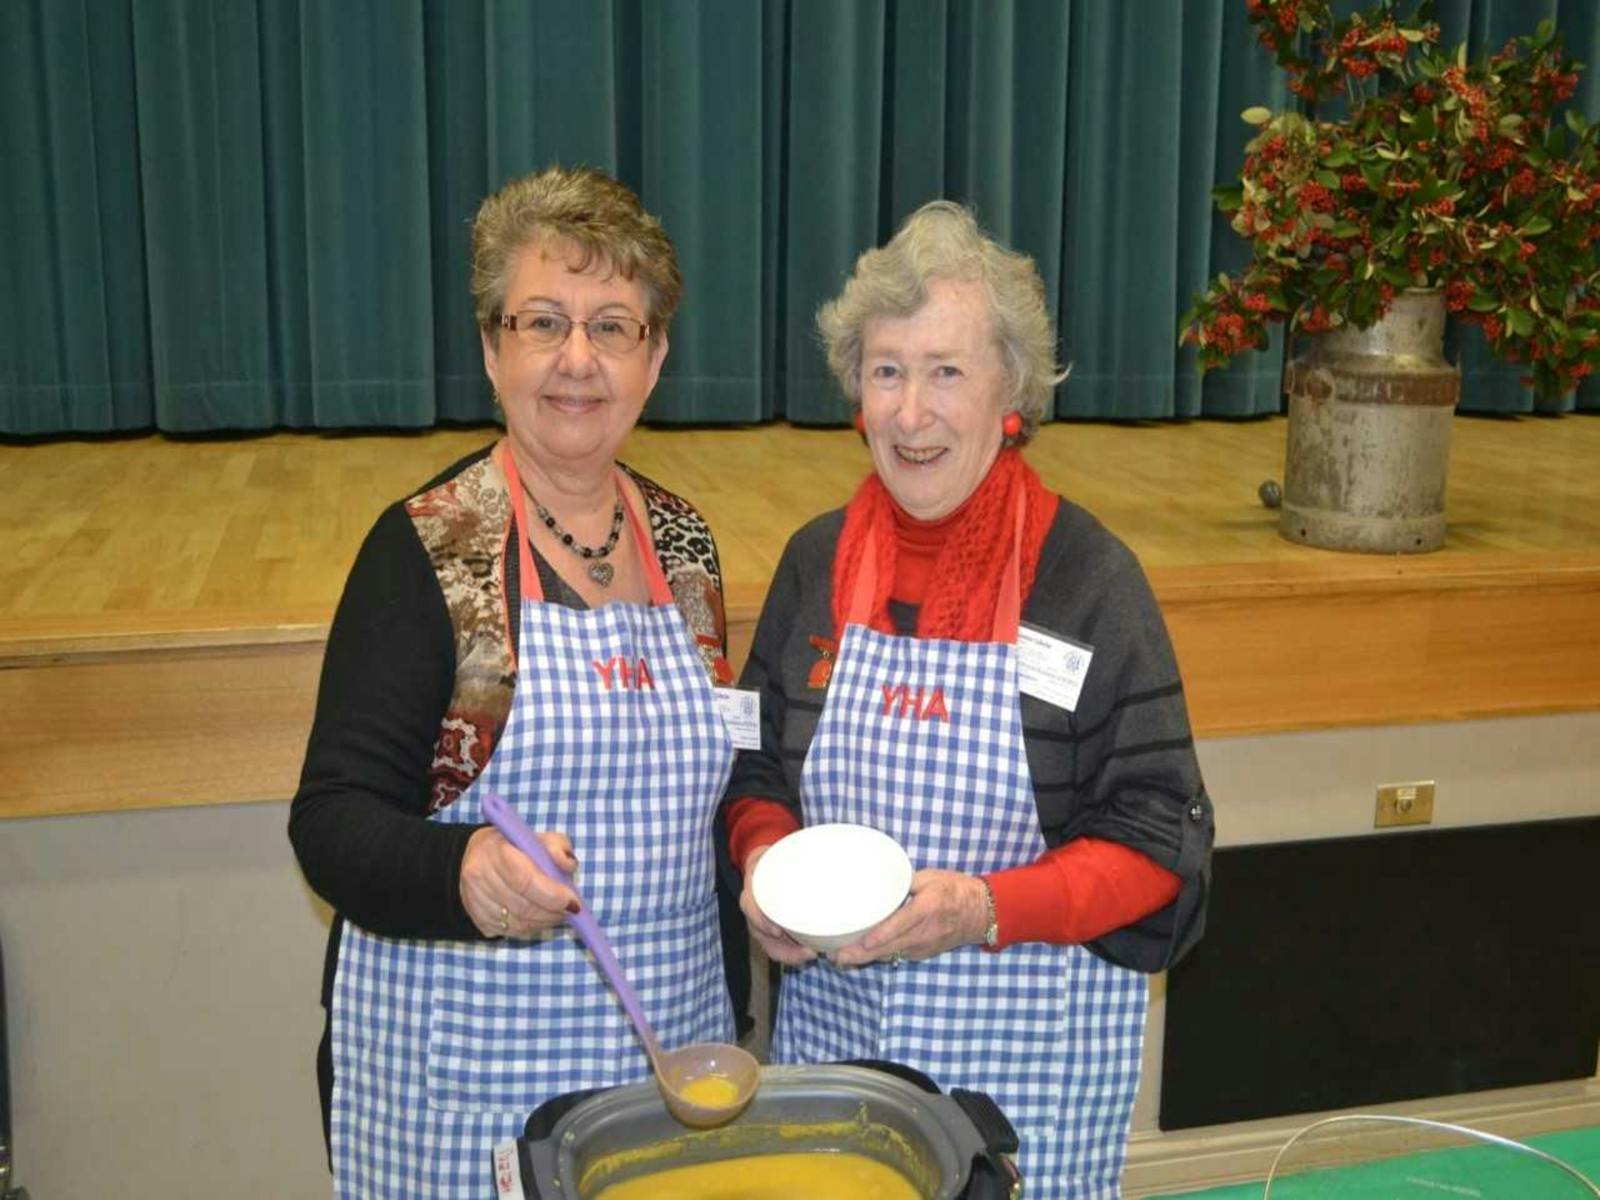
<point x="1442" y="173"/>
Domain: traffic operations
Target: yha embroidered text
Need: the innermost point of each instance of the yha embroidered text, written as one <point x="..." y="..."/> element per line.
<point x="633" y="676"/>
<point x="901" y="701"/>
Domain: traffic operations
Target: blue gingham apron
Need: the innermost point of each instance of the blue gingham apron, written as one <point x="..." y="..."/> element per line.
<point x="1052" y="1033"/>
<point x="443" y="1048"/>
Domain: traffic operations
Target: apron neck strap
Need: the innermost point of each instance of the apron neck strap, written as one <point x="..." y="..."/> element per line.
<point x="655" y="578"/>
<point x="1007" y="609"/>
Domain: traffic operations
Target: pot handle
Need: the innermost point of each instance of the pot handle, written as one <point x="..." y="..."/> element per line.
<point x="997" y="1133"/>
<point x="994" y="1174"/>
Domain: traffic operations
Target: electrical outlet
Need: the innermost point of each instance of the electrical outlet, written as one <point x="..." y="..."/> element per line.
<point x="1404" y="804"/>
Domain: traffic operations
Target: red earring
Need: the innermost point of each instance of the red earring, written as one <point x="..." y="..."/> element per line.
<point x="1011" y="426"/>
<point x="860" y="423"/>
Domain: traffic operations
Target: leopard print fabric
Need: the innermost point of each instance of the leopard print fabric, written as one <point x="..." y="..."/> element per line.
<point x="464" y="524"/>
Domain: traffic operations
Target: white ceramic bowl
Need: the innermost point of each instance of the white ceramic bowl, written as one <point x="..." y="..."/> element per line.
<point x="828" y="884"/>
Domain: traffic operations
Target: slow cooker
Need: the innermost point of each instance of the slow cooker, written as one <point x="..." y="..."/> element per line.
<point x="950" y="1147"/>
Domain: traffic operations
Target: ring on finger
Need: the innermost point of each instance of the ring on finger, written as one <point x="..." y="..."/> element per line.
<point x="505" y="920"/>
<point x="896" y="959"/>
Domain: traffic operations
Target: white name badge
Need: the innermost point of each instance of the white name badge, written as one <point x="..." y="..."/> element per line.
<point x="1051" y="667"/>
<point x="741" y="714"/>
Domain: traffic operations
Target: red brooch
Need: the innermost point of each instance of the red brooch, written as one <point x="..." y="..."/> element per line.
<point x="822" y="669"/>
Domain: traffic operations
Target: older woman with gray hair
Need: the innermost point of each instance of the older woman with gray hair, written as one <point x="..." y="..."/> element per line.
<point x="975" y="666"/>
<point x="542" y="624"/>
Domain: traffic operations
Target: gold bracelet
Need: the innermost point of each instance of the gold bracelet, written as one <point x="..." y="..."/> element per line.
<point x="991" y="932"/>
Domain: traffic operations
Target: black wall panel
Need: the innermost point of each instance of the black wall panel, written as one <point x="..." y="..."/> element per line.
<point x="1353" y="972"/>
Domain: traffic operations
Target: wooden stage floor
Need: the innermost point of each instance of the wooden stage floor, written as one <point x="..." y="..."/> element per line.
<point x="103" y="535"/>
<point x="193" y="560"/>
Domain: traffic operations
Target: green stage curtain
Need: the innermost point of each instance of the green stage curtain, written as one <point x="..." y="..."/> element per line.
<point x="249" y="214"/>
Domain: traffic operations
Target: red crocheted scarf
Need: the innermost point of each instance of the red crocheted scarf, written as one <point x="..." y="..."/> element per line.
<point x="965" y="585"/>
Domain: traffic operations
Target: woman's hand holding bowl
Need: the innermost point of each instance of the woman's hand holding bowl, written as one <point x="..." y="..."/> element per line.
<point x="775" y="943"/>
<point x="946" y="909"/>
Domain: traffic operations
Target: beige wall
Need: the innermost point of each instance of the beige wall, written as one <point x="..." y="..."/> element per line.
<point x="162" y="975"/>
<point x="163" y="967"/>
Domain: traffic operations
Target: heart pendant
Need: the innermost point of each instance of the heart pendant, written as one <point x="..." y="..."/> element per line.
<point x="602" y="573"/>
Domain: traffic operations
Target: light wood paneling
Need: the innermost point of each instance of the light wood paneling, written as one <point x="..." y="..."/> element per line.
<point x="140" y="729"/>
<point x="163" y="602"/>
<point x="1277" y="646"/>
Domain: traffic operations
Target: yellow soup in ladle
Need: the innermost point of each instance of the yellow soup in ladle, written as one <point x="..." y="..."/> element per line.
<point x="710" y="1091"/>
<point x="770" y="1177"/>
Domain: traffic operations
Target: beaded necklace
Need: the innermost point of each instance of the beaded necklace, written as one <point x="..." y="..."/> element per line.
<point x="599" y="570"/>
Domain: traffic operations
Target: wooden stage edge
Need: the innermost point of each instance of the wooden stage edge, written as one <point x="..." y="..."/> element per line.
<point x="136" y="711"/>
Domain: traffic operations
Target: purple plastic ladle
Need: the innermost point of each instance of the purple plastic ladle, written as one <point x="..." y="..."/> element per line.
<point x="675" y="1069"/>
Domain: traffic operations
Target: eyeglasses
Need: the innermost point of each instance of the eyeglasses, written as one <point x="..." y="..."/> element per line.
<point x="547" y="330"/>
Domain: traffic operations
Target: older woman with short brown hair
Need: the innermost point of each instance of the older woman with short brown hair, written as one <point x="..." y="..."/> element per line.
<point x="541" y="623"/>
<point x="973" y="664"/>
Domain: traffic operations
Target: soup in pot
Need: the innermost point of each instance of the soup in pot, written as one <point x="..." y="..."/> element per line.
<point x="805" y="1176"/>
